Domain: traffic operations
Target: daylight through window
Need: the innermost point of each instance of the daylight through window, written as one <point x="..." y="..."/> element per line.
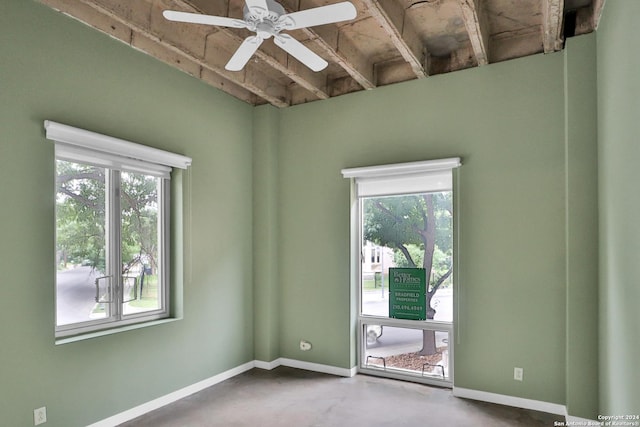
<point x="404" y="219"/>
<point x="112" y="232"/>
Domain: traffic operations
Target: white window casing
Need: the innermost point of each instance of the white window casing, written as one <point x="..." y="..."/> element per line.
<point x="75" y="144"/>
<point x="431" y="176"/>
<point x="413" y="177"/>
<point x="117" y="155"/>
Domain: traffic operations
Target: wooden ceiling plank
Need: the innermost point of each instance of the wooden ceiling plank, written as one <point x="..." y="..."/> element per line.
<point x="216" y="57"/>
<point x="306" y="78"/>
<point x="230" y="87"/>
<point x="115" y="28"/>
<point x="552" y="14"/>
<point x="343" y="52"/>
<point x="597" y="6"/>
<point x="265" y="87"/>
<point x="88" y="16"/>
<point x="476" y="23"/>
<point x="344" y="85"/>
<point x="140" y="42"/>
<point x="588" y="18"/>
<point x="245" y="92"/>
<point x="337" y="49"/>
<point x="148" y="33"/>
<point x="314" y="82"/>
<point x="208" y="7"/>
<point x="391" y="17"/>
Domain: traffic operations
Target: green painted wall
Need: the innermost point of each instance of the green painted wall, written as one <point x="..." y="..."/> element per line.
<point x="266" y="219"/>
<point x="265" y="238"/>
<point x="55" y="68"/>
<point x="582" y="227"/>
<point x="618" y="156"/>
<point x="507" y="122"/>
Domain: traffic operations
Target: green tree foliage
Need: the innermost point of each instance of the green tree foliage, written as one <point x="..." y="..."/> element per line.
<point x="80" y="214"/>
<point x="441" y="260"/>
<point x="419" y="228"/>
<point x="81" y="217"/>
<point x="416" y="255"/>
<point x="139" y="220"/>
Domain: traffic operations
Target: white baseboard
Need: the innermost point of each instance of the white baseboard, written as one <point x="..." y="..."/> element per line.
<point x="267" y="366"/>
<point x="154" y="404"/>
<point x="317" y="367"/>
<point x="577" y="421"/>
<point x="308" y="366"/>
<point x="518" y="402"/>
<point x="128" y="415"/>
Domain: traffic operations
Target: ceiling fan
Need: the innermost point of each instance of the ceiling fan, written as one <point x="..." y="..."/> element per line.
<point x="267" y="18"/>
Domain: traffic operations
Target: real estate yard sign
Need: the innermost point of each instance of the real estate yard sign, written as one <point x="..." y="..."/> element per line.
<point x="407" y="293"/>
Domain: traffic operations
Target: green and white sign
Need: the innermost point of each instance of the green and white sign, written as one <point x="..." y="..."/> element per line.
<point x="407" y="293"/>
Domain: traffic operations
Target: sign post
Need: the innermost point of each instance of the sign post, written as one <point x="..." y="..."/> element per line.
<point x="407" y="293"/>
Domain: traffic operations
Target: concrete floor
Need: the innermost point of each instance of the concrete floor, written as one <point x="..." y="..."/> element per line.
<point x="287" y="397"/>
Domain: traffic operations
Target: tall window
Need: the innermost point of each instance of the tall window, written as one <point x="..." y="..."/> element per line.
<point x="112" y="232"/>
<point x="405" y="319"/>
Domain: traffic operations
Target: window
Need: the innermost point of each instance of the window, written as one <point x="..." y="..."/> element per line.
<point x="416" y="230"/>
<point x="112" y="231"/>
<point x="375" y="254"/>
<point x="403" y="221"/>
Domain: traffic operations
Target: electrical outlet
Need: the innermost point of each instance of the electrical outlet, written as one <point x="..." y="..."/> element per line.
<point x="39" y="416"/>
<point x="305" y="345"/>
<point x="518" y="374"/>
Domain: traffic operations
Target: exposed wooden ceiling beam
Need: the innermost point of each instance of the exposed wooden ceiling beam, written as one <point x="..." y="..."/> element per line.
<point x="588" y="18"/>
<point x="391" y="16"/>
<point x="385" y="43"/>
<point x="597" y="6"/>
<point x="475" y="21"/>
<point x="273" y="93"/>
<point x="311" y="81"/>
<point x="337" y="49"/>
<point x="552" y="14"/>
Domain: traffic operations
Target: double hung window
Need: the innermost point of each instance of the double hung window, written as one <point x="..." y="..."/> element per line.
<point x="112" y="231"/>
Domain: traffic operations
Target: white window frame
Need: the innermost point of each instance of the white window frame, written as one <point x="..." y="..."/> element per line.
<point x="116" y="156"/>
<point x="387" y="180"/>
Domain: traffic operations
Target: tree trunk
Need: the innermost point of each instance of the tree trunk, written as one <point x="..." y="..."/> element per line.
<point x="428" y="343"/>
<point x="428" y="336"/>
<point x="429" y="237"/>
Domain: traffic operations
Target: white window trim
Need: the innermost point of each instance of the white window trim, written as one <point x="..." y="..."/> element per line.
<point x="77" y="137"/>
<point x="79" y="145"/>
<point x="385" y="180"/>
<point x="402" y="168"/>
<point x="413" y="177"/>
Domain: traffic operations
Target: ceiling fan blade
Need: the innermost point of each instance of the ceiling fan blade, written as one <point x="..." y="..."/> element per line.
<point x="299" y="51"/>
<point x="258" y="7"/>
<point x="319" y="15"/>
<point x="197" y="18"/>
<point x="244" y="53"/>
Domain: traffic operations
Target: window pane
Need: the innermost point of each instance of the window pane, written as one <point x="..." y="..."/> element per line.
<point x="409" y="351"/>
<point x="80" y="243"/>
<point x="140" y="248"/>
<point x="414" y="231"/>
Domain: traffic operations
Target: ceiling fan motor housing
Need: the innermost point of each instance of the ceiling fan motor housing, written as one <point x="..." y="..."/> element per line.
<point x="264" y="22"/>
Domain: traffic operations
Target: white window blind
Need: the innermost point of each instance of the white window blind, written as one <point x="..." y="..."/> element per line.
<point x="403" y="178"/>
<point x="79" y="145"/>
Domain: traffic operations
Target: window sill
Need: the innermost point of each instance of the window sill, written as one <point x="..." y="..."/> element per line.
<point x="96" y="334"/>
